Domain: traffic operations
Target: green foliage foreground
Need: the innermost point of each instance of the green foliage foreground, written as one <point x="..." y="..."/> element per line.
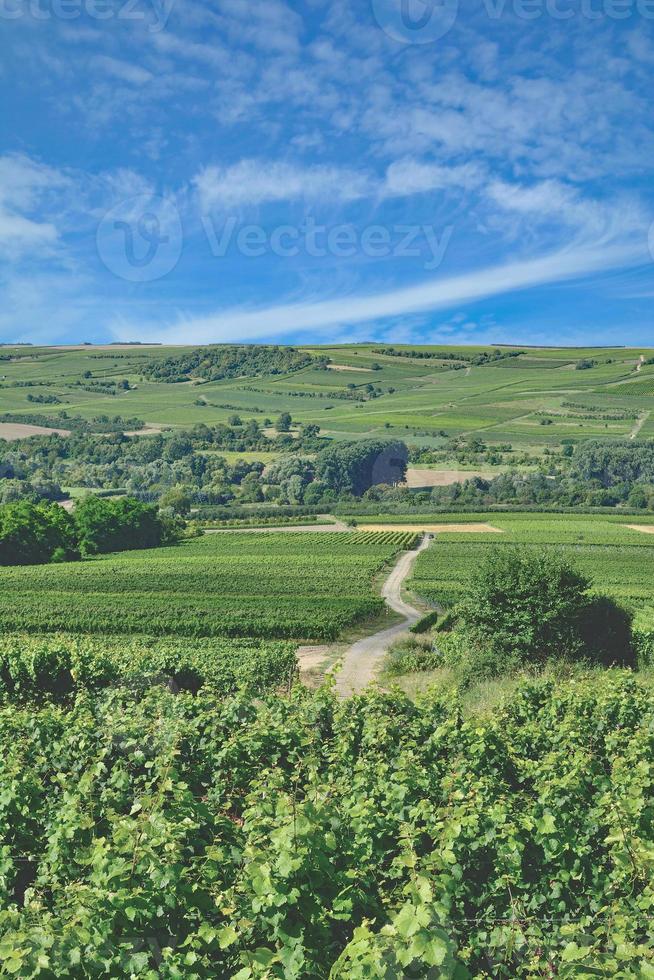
<point x="159" y="834"/>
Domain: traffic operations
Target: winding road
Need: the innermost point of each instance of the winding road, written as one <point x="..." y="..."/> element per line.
<point x="363" y="659"/>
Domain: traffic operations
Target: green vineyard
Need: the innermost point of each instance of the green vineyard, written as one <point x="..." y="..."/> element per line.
<point x="618" y="559"/>
<point x="149" y="833"/>
<point x="272" y="586"/>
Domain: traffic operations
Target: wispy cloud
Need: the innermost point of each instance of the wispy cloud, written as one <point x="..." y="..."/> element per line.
<point x="533" y="141"/>
<point x="124" y="70"/>
<point x="25" y="189"/>
<point x="259" y="181"/>
<point x="437" y="294"/>
<point x="254" y="182"/>
<point x="412" y="176"/>
<point x="552" y="201"/>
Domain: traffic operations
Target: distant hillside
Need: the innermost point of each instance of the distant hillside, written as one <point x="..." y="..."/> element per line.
<point x="221" y="362"/>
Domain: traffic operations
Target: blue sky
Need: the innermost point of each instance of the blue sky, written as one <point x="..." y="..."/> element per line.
<point x="399" y="170"/>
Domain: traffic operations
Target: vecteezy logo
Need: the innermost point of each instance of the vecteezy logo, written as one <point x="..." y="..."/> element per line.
<point x="140" y="239"/>
<point x="415" y="21"/>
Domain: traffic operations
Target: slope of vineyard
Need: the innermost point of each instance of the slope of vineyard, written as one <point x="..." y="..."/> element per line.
<point x="420" y="391"/>
<point x="267" y="585"/>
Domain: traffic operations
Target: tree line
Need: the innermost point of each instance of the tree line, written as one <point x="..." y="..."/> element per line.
<point x="33" y="534"/>
<point x="185" y="468"/>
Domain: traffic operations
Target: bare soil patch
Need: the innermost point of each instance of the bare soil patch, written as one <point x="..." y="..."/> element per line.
<point x="416" y="477"/>
<point x="314" y="663"/>
<point x="147" y="430"/>
<point x="644" y="528"/>
<point x="436" y="528"/>
<point x="348" y="367"/>
<point x="19" y="430"/>
<point x="310" y="657"/>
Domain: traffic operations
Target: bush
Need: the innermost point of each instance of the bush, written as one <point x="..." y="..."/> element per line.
<point x="32" y="534"/>
<point x="643" y="643"/>
<point x="412" y="655"/>
<point x="425" y="622"/>
<point x="606" y="631"/>
<point x="524" y="608"/>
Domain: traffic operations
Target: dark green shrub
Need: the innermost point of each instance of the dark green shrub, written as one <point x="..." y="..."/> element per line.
<point x="425" y="622"/>
<point x="524" y="608"/>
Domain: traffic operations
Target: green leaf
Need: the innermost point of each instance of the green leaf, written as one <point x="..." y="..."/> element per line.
<point x="546" y="824"/>
<point x="227" y="936"/>
<point x="405" y="922"/>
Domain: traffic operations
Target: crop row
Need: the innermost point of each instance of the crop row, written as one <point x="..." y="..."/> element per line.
<point x="61" y="665"/>
<point x="276" y="617"/>
<point x="270" y="586"/>
<point x="617" y="560"/>
<point x="402" y="540"/>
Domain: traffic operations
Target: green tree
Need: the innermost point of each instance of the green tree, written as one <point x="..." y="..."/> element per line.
<point x="353" y="467"/>
<point x="524" y="607"/>
<point x="284" y="422"/>
<point x="638" y="497"/>
<point x="177" y="499"/>
<point x="251" y="490"/>
<point x="118" y="525"/>
<point x="35" y="533"/>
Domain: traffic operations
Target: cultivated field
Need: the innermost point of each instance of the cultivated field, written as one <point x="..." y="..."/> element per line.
<point x="303" y="586"/>
<point x="531" y="400"/>
<point x="618" y="559"/>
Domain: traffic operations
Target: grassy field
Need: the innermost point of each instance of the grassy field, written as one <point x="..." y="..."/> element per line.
<point x="618" y="559"/>
<point x="308" y="586"/>
<point x="531" y="400"/>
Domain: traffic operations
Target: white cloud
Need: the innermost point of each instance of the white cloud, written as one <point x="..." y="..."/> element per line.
<point x="18" y="233"/>
<point x="278" y="321"/>
<point x="25" y="187"/>
<point x="271" y="26"/>
<point x="124" y="70"/>
<point x="253" y="182"/>
<point x="23" y="180"/>
<point x="554" y="201"/>
<point x="410" y="176"/>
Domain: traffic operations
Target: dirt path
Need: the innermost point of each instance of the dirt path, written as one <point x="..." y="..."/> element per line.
<point x="335" y="525"/>
<point x="363" y="659"/>
<point x="639" y="424"/>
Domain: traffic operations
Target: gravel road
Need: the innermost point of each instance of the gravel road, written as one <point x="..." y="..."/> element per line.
<point x="363" y="659"/>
